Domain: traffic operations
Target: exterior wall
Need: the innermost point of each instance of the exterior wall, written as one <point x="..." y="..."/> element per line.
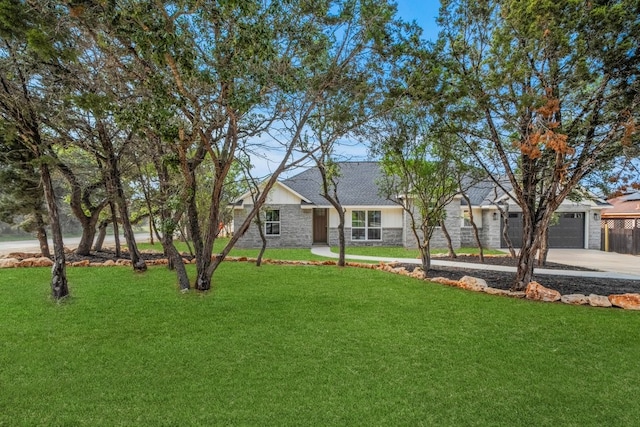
<point x="594" y="230"/>
<point x="295" y="228"/>
<point x="489" y="232"/>
<point x="438" y="240"/>
<point x="390" y="237"/>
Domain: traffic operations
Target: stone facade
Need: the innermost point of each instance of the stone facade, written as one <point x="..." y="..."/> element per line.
<point x="438" y="240"/>
<point x="489" y="231"/>
<point x="295" y="228"/>
<point x="390" y="237"/>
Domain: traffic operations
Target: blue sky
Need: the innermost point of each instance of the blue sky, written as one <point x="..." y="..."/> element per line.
<point x="424" y="12"/>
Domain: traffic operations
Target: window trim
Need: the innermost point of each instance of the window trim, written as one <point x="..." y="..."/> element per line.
<point x="271" y="222"/>
<point x="366" y="226"/>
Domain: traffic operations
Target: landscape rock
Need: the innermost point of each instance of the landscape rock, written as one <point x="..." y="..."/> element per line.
<point x="400" y="270"/>
<point x="83" y="263"/>
<point x="473" y="283"/>
<point x="575" y="299"/>
<point x="9" y="262"/>
<point x="536" y="291"/>
<point x="109" y="263"/>
<point x="599" y="301"/>
<point x="444" y="281"/>
<point x="41" y="262"/>
<point x="626" y="301"/>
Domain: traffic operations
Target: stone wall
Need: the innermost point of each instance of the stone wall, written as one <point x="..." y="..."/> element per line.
<point x="390" y="237"/>
<point x="489" y="232"/>
<point x="438" y="240"/>
<point x="295" y="228"/>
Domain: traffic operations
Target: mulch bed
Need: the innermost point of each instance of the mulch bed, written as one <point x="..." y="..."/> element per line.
<point x="564" y="284"/>
<point x="496" y="279"/>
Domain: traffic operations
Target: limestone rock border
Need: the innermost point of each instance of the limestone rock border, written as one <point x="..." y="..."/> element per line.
<point x="534" y="290"/>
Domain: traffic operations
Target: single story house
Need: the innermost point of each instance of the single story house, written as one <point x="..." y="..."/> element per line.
<point x="296" y="215"/>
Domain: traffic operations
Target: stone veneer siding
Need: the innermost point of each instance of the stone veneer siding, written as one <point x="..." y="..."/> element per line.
<point x="295" y="228"/>
<point x="489" y="232"/>
<point x="390" y="237"/>
<point x="438" y="240"/>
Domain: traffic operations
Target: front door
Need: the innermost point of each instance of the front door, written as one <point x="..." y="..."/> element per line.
<point x="320" y="225"/>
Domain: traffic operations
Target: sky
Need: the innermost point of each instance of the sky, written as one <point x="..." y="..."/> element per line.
<point x="424" y="13"/>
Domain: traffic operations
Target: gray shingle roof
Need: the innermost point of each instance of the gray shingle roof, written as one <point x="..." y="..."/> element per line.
<point x="482" y="193"/>
<point x="357" y="185"/>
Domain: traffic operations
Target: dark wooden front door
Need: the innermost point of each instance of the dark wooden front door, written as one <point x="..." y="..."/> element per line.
<point x="320" y="225"/>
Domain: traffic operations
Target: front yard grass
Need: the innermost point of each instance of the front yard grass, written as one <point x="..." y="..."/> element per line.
<point x="292" y="254"/>
<point x="287" y="345"/>
<point x="400" y="252"/>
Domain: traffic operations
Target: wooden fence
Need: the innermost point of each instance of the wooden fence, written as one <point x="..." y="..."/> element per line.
<point x="621" y="236"/>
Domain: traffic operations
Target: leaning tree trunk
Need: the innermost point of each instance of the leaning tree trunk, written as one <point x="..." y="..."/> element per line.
<point x="136" y="257"/>
<point x="41" y="234"/>
<point x="447" y="237"/>
<point x="175" y="261"/>
<point x="476" y="233"/>
<point x="59" y="285"/>
<point x="102" y="233"/>
<point x="263" y="239"/>
<point x="505" y="233"/>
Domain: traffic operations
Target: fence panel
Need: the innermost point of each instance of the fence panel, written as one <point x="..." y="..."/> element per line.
<point x="621" y="236"/>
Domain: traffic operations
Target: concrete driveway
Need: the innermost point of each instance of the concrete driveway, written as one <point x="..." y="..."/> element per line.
<point x="598" y="260"/>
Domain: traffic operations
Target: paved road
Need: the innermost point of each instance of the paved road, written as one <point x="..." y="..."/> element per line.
<point x="612" y="265"/>
<point x="69" y="242"/>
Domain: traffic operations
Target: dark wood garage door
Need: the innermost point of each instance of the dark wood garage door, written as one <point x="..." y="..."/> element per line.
<point x="568" y="232"/>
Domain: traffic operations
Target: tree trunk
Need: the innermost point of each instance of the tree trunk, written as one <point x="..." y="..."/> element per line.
<point x="88" y="233"/>
<point x="425" y="255"/>
<point x="263" y="238"/>
<point x="476" y="233"/>
<point x="175" y="262"/>
<point x="341" y="238"/>
<point x="527" y="255"/>
<point x="543" y="251"/>
<point x="102" y="233"/>
<point x="136" y="257"/>
<point x="59" y="285"/>
<point x="505" y="233"/>
<point x="116" y="231"/>
<point x="41" y="234"/>
<point x="447" y="236"/>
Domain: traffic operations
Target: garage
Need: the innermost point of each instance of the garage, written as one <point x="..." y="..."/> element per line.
<point x="566" y="232"/>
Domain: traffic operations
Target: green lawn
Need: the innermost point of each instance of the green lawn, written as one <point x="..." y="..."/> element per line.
<point x="305" y="253"/>
<point x="400" y="252"/>
<point x="273" y="253"/>
<point x="285" y="345"/>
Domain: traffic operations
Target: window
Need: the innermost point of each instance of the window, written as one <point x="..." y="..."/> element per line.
<point x="272" y="223"/>
<point x="466" y="218"/>
<point x="366" y="225"/>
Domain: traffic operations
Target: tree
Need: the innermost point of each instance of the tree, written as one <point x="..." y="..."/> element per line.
<point x="418" y="175"/>
<point x="30" y="50"/>
<point x="541" y="92"/>
<point x="21" y="195"/>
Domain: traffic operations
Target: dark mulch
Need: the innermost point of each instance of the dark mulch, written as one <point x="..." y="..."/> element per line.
<point x="501" y="280"/>
<point x="564" y="284"/>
